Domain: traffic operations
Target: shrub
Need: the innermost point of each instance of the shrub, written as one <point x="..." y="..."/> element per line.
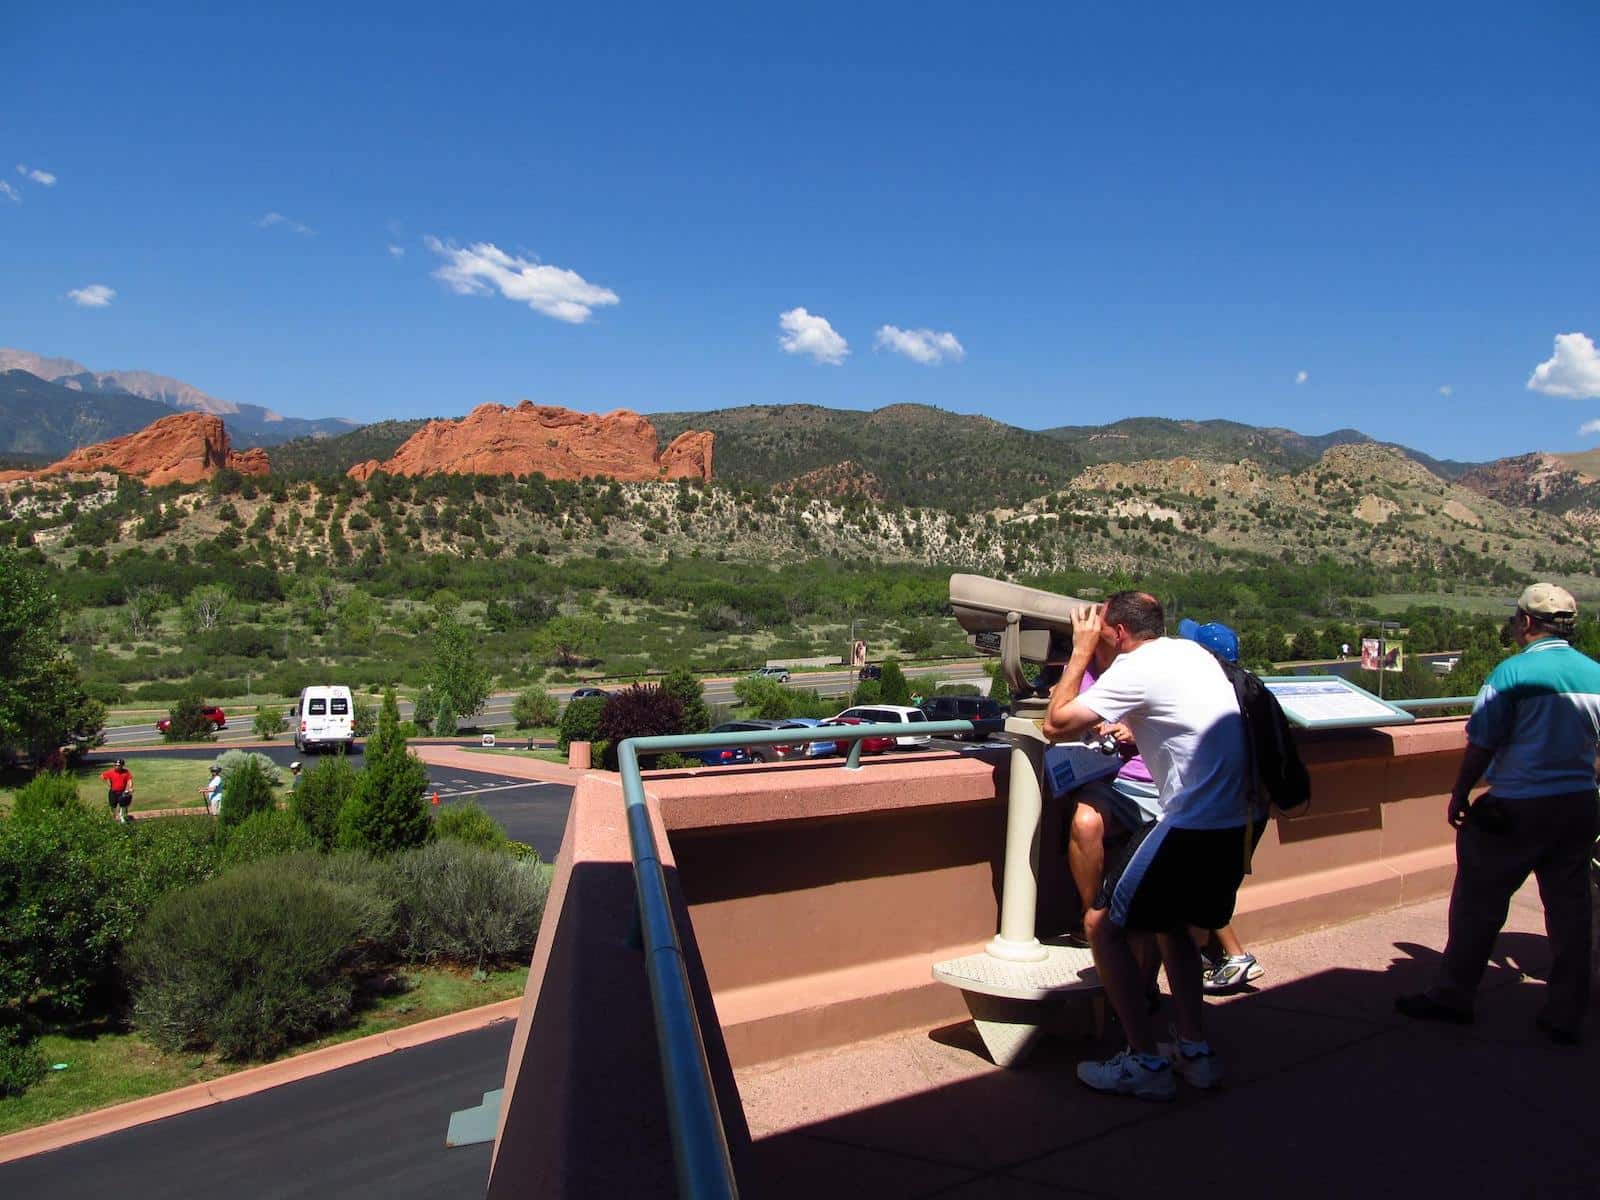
<point x="228" y="760"/>
<point x="533" y="708"/>
<point x="372" y="886"/>
<point x="386" y="812"/>
<point x="444" y="718"/>
<point x="868" y="691"/>
<point x="764" y="698"/>
<point x="580" y="722"/>
<point x="269" y="722"/>
<point x="469" y="905"/>
<point x="469" y="823"/>
<point x="422" y="712"/>
<point x="895" y="689"/>
<point x="321" y="795"/>
<point x="73" y="887"/>
<point x="642" y="710"/>
<point x="250" y="962"/>
<point x="682" y="683"/>
<point x="21" y="1063"/>
<point x="363" y="719"/>
<point x="186" y="721"/>
<point x="957" y="689"/>
<point x="45" y="795"/>
<point x="246" y="790"/>
<point x="267" y="834"/>
<point x="999" y="690"/>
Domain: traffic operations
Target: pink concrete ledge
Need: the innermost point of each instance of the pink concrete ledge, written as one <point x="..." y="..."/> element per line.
<point x="95" y="1124"/>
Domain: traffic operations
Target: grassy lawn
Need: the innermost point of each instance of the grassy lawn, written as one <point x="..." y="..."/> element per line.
<point x="105" y="1066"/>
<point x="157" y="783"/>
<point x="554" y="756"/>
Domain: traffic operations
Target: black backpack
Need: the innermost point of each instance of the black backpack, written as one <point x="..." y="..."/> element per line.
<point x="1269" y="740"/>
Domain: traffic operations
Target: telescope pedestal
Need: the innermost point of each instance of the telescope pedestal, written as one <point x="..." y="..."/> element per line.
<point x="1010" y="985"/>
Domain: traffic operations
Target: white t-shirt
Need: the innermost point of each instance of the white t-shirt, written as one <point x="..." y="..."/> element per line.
<point x="1173" y="696"/>
<point x="214" y="794"/>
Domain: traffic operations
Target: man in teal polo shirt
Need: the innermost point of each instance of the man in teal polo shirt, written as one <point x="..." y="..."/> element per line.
<point x="1534" y="728"/>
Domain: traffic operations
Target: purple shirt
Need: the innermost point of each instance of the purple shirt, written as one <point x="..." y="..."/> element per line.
<point x="1133" y="769"/>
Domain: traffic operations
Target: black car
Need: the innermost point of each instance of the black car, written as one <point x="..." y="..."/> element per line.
<point x="986" y="715"/>
<point x="870" y="671"/>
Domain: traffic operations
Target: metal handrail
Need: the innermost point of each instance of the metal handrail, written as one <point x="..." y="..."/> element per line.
<point x="1433" y="702"/>
<point x="699" y="1140"/>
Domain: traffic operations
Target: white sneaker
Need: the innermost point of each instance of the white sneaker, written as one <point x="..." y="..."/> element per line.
<point x="1126" y="1075"/>
<point x="1202" y="1070"/>
<point x="1232" y="972"/>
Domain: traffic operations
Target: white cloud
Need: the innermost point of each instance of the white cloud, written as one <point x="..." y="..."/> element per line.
<point x="396" y="251"/>
<point x="921" y="345"/>
<point x="1589" y="427"/>
<point x="1447" y="391"/>
<point x="483" y="267"/>
<point x="1572" y="371"/>
<point x="1301" y="376"/>
<point x="805" y="333"/>
<point x="10" y="193"/>
<point x="95" y="295"/>
<point x="273" y="219"/>
<point x="38" y="176"/>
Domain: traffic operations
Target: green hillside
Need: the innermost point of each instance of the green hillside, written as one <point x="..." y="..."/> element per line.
<point x="49" y="421"/>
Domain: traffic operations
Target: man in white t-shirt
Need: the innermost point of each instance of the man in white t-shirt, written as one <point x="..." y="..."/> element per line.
<point x="1184" y="869"/>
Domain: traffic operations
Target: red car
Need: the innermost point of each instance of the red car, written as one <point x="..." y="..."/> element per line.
<point x="218" y="719"/>
<point x="869" y="745"/>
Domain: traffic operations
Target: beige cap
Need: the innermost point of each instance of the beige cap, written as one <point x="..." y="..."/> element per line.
<point x="1547" y="600"/>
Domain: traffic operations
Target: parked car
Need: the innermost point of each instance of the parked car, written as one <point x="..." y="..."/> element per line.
<point x="757" y="753"/>
<point x="986" y="715"/>
<point x="585" y="693"/>
<point x="870" y="671"/>
<point x="889" y="714"/>
<point x="218" y="719"/>
<point x="781" y="674"/>
<point x="730" y="757"/>
<point x="324" y="717"/>
<point x="809" y="749"/>
<point x="869" y="745"/>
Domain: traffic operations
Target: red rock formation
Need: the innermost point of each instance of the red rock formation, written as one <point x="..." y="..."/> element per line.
<point x="183" y="448"/>
<point x="495" y="440"/>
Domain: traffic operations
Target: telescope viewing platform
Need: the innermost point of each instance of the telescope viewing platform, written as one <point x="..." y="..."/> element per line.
<point x="812" y="903"/>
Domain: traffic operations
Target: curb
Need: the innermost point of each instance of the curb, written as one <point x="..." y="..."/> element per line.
<point x="86" y="1126"/>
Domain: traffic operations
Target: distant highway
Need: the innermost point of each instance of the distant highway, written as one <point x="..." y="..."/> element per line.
<point x="497" y="713"/>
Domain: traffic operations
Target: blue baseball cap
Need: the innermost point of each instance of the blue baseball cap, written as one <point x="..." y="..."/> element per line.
<point x="1214" y="636"/>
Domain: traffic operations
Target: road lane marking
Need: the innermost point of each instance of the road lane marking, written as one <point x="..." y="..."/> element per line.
<point x="504" y="787"/>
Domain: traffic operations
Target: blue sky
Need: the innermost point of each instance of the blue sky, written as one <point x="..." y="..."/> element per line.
<point x="1069" y="212"/>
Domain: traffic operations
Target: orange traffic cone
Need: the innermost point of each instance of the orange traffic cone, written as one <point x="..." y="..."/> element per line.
<point x="436" y="797"/>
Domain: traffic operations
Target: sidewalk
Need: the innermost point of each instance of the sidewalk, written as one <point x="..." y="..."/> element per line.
<point x="1330" y="1094"/>
<point x="515" y="766"/>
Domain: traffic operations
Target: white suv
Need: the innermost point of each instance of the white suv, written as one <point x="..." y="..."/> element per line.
<point x="781" y="674"/>
<point x="889" y="714"/>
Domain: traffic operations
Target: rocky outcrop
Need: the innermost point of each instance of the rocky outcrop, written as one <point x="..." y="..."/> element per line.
<point x="1529" y="480"/>
<point x="839" y="481"/>
<point x="182" y="448"/>
<point x="556" y="442"/>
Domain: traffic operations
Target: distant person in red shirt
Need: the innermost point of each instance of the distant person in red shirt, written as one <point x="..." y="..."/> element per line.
<point x="119" y="794"/>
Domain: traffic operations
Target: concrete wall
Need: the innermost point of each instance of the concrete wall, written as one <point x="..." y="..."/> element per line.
<point x="815" y="900"/>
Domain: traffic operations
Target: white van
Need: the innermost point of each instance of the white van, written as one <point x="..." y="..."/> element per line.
<point x="324" y="717"/>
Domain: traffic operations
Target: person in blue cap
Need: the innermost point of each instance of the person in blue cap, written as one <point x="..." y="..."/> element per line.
<point x="1236" y="966"/>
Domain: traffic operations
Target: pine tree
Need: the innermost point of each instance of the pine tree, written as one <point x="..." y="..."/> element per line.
<point x="387" y="811"/>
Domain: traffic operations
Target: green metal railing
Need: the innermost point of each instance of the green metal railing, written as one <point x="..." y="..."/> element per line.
<point x="1433" y="702"/>
<point x="699" y="1141"/>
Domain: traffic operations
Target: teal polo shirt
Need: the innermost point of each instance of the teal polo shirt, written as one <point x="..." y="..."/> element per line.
<point x="1539" y="711"/>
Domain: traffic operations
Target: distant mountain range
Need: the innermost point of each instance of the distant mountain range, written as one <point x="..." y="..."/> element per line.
<point x="42" y="420"/>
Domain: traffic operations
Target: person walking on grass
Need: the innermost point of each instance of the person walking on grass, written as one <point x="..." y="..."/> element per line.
<point x="1184" y="869"/>
<point x="213" y="791"/>
<point x="119" y="790"/>
<point x="294" y="777"/>
<point x="1534" y="729"/>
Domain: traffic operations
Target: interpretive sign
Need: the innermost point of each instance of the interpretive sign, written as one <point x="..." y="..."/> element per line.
<point x="1329" y="702"/>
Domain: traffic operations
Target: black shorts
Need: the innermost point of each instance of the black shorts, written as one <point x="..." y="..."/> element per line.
<point x="1164" y="878"/>
<point x="118" y="799"/>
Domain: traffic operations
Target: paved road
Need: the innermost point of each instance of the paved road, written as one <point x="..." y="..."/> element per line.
<point x="531" y="811"/>
<point x="373" y="1129"/>
<point x="497" y="712"/>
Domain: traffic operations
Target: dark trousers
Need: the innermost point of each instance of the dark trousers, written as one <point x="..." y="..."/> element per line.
<point x="1551" y="838"/>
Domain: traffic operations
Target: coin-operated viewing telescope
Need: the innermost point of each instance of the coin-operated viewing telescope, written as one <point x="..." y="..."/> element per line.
<point x="1009" y="985"/>
<point x="1021" y="625"/>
